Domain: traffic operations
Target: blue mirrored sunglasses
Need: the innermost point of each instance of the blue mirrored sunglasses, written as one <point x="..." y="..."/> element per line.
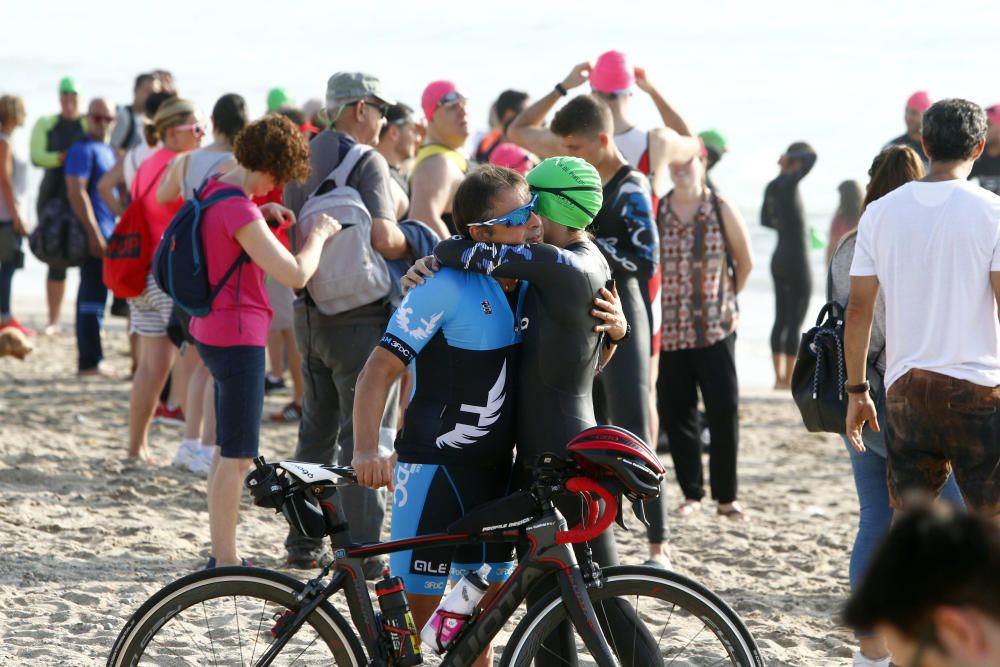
<point x="516" y="218"/>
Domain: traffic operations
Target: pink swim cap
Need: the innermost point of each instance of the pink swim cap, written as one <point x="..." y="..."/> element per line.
<point x="511" y="156"/>
<point x="920" y="101"/>
<point x="435" y="93"/>
<point x="993" y="114"/>
<point x="612" y="73"/>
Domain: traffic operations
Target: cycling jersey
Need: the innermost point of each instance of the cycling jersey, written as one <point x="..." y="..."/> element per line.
<point x="463" y="331"/>
<point x="428" y="498"/>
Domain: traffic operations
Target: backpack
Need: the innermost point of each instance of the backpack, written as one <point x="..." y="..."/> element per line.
<point x="180" y="265"/>
<point x="59" y="238"/>
<point x="351" y="272"/>
<point x="820" y="371"/>
<point x="129" y="251"/>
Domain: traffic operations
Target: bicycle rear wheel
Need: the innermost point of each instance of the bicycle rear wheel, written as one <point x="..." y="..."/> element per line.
<point x="224" y="617"/>
<point x="650" y="617"/>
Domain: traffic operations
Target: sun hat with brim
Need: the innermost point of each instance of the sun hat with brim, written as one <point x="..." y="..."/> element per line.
<point x="569" y="191"/>
<point x="67" y="86"/>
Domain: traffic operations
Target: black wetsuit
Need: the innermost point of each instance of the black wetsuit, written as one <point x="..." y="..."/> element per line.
<point x="558" y="357"/>
<point x="625" y="232"/>
<point x="63" y="134"/>
<point x="905" y="140"/>
<point x="986" y="172"/>
<point x="783" y="212"/>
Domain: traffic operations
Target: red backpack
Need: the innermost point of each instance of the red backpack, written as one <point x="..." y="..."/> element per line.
<point x="129" y="252"/>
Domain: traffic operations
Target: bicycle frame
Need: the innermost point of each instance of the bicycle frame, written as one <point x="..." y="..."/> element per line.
<point x="545" y="556"/>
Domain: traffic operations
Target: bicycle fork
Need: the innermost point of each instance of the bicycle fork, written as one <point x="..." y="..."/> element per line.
<point x="584" y="617"/>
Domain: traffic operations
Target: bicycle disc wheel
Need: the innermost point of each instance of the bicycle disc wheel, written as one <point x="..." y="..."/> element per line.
<point x="650" y="618"/>
<point x="224" y="617"/>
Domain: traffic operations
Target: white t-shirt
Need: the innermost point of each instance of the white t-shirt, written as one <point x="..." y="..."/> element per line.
<point x="933" y="246"/>
<point x="134" y="159"/>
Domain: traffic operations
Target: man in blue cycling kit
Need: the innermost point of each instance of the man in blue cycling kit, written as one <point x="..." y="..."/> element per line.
<point x="463" y="332"/>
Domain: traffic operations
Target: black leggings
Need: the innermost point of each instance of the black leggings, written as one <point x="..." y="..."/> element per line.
<point x="682" y="373"/>
<point x="792" y="291"/>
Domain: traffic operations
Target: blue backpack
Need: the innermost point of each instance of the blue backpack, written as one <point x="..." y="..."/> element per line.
<point x="180" y="265"/>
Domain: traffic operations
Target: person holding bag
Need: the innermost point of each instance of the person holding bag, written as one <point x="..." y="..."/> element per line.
<point x="13" y="184"/>
<point x="232" y="337"/>
<point x="891" y="168"/>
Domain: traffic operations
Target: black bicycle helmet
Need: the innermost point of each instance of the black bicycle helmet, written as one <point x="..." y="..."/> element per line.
<point x="610" y="451"/>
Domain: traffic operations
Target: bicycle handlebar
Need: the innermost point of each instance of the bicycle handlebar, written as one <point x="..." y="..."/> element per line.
<point x="598" y="524"/>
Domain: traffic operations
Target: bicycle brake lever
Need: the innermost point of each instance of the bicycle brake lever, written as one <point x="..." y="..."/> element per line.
<point x="620" y="519"/>
<point x="639" y="508"/>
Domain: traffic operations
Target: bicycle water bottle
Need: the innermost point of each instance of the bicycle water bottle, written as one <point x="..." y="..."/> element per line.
<point x="455" y="611"/>
<point x="398" y="621"/>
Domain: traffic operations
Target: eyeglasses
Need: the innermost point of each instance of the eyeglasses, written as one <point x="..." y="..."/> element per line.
<point x="516" y="218"/>
<point x="561" y="192"/>
<point x="98" y="118"/>
<point x="197" y="129"/>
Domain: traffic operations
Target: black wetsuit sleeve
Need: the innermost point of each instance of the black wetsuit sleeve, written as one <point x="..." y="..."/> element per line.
<point x="538" y="263"/>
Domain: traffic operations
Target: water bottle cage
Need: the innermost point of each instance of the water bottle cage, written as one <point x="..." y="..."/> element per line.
<point x="468" y="619"/>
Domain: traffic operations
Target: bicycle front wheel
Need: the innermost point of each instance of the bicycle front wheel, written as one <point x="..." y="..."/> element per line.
<point x="650" y="618"/>
<point x="225" y="617"/>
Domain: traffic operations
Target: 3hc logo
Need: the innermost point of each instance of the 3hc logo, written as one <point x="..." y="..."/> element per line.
<point x="128" y="246"/>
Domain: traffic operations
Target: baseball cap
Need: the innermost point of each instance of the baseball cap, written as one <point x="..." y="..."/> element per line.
<point x="569" y="191"/>
<point x="512" y="156"/>
<point x="612" y="73"/>
<point x="277" y="98"/>
<point x="437" y="93"/>
<point x="354" y="85"/>
<point x="67" y="85"/>
<point x="993" y="114"/>
<point x="920" y="101"/>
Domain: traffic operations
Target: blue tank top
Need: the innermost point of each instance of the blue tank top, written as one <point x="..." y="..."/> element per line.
<point x="463" y="333"/>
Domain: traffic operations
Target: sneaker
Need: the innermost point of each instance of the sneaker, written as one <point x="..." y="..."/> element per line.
<point x="308" y="559"/>
<point x="272" y="384"/>
<point x="201" y="461"/>
<point x="166" y="415"/>
<point x="12" y="323"/>
<point x="861" y="660"/>
<point x="374" y="568"/>
<point x="185" y="454"/>
<point x="290" y="413"/>
<point x="52" y="330"/>
<point x="211" y="564"/>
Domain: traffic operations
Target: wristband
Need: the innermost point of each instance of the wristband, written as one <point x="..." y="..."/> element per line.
<point x="608" y="342"/>
<point x="857" y="388"/>
<point x="561" y="89"/>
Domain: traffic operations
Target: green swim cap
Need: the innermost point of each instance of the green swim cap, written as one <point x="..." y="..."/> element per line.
<point x="714" y="139"/>
<point x="569" y="191"/>
<point x="67" y="86"/>
<point x="277" y="98"/>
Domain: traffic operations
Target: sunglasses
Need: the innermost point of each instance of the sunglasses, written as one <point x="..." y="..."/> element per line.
<point x="97" y="118"/>
<point x="561" y="192"/>
<point x="452" y="97"/>
<point x="382" y="109"/>
<point x="197" y="129"/>
<point x="516" y="218"/>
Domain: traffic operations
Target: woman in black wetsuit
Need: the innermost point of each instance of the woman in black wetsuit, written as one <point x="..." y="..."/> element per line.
<point x="783" y="212"/>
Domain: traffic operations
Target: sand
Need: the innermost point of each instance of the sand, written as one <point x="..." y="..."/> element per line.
<point x="85" y="537"/>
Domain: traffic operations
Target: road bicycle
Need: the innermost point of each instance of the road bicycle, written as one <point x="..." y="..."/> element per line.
<point x="619" y="615"/>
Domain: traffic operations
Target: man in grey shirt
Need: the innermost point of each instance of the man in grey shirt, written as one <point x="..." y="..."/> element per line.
<point x="335" y="347"/>
<point x="128" y="129"/>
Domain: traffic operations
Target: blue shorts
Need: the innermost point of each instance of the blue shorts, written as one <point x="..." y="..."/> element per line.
<point x="429" y="498"/>
<point x="238" y="372"/>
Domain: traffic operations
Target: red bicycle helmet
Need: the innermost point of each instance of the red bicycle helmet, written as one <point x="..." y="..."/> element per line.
<point x="610" y="451"/>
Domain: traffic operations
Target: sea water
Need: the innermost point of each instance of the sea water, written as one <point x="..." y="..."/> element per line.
<point x="764" y="73"/>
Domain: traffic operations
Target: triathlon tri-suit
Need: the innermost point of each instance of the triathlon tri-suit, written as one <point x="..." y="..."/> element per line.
<point x="634" y="146"/>
<point x="459" y="160"/>
<point x="625" y="231"/>
<point x="783" y="212"/>
<point x="558" y="357"/>
<point x="456" y="447"/>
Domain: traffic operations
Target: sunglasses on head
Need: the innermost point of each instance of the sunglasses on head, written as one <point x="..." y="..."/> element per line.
<point x="561" y="192"/>
<point x="100" y="118"/>
<point x="516" y="218"/>
<point x="197" y="129"/>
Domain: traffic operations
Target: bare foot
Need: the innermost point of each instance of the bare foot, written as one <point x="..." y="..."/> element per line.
<point x="782" y="386"/>
<point x="143" y="457"/>
<point x="101" y="370"/>
<point x="732" y="511"/>
<point x="688" y="507"/>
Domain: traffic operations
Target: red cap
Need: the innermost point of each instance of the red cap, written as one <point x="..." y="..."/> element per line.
<point x="920" y="101"/>
<point x="993" y="114"/>
<point x="435" y="94"/>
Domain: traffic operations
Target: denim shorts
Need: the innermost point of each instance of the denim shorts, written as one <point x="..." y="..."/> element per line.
<point x="239" y="396"/>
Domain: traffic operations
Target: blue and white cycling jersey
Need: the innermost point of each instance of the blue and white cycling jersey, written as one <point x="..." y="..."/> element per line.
<point x="463" y="331"/>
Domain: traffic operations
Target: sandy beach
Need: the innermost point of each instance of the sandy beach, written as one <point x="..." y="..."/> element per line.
<point x="85" y="537"/>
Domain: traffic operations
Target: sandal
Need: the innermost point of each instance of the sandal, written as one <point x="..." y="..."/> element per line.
<point x="290" y="413"/>
<point x="210" y="565"/>
<point x="734" y="513"/>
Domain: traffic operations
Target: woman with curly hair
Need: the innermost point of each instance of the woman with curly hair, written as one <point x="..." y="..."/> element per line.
<point x="232" y="337"/>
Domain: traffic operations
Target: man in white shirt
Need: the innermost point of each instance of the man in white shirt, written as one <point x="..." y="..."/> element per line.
<point x="933" y="245"/>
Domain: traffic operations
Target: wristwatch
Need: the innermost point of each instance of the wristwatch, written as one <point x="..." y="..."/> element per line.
<point x="562" y="89"/>
<point x="857" y="388"/>
<point x="611" y="343"/>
